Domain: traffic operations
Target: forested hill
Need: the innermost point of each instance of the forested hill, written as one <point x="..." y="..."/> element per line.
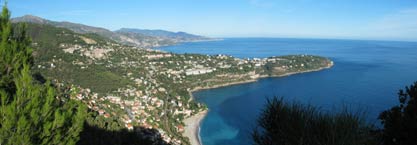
<point x="145" y="39"/>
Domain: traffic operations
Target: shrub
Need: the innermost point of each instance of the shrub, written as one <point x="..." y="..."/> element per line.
<point x="296" y="124"/>
<point x="400" y="122"/>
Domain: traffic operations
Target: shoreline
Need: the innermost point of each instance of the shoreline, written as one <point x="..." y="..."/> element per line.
<point x="192" y="129"/>
<point x="255" y="79"/>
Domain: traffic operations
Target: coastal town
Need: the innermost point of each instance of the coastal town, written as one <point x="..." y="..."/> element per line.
<point x="126" y="87"/>
<point x="213" y="72"/>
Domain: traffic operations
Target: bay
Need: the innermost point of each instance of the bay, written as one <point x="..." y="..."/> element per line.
<point x="366" y="76"/>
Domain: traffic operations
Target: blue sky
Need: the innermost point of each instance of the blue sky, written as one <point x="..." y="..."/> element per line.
<point x="342" y="19"/>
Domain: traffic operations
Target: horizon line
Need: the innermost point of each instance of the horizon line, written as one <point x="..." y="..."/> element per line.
<point x="236" y="36"/>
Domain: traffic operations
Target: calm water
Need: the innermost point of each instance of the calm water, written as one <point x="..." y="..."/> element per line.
<point x="366" y="75"/>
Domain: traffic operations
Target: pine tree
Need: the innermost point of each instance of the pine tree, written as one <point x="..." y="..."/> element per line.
<point x="14" y="51"/>
<point x="31" y="112"/>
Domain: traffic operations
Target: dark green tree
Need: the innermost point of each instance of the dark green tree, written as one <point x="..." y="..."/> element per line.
<point x="31" y="112"/>
<point x="400" y="122"/>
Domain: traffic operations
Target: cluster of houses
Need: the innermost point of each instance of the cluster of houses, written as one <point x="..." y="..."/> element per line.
<point x="156" y="56"/>
<point x="199" y="71"/>
<point x="139" y="111"/>
<point x="93" y="52"/>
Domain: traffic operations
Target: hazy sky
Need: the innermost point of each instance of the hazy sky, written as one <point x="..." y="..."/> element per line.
<point x="351" y="19"/>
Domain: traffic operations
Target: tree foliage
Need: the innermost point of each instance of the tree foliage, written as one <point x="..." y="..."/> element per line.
<point x="294" y="124"/>
<point x="400" y="122"/>
<point x="93" y="135"/>
<point x="14" y="51"/>
<point x="31" y="112"/>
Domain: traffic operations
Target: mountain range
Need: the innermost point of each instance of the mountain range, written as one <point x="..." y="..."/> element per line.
<point x="129" y="36"/>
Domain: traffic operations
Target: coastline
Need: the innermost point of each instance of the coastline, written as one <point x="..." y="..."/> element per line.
<point x="193" y="123"/>
<point x="206" y="40"/>
<point x="256" y="79"/>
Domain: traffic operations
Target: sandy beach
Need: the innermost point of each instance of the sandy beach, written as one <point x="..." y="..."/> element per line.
<point x="192" y="125"/>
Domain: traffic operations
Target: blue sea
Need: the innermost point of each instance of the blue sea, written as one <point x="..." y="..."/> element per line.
<point x="366" y="76"/>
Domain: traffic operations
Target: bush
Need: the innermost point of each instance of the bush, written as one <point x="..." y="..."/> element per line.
<point x="296" y="124"/>
<point x="400" y="122"/>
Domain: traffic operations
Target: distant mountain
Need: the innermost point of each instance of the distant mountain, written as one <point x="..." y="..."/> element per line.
<point x="163" y="34"/>
<point x="78" y="28"/>
<point x="31" y="19"/>
<point x="133" y="37"/>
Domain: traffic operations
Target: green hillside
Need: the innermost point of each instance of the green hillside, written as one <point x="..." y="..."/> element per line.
<point x="125" y="86"/>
